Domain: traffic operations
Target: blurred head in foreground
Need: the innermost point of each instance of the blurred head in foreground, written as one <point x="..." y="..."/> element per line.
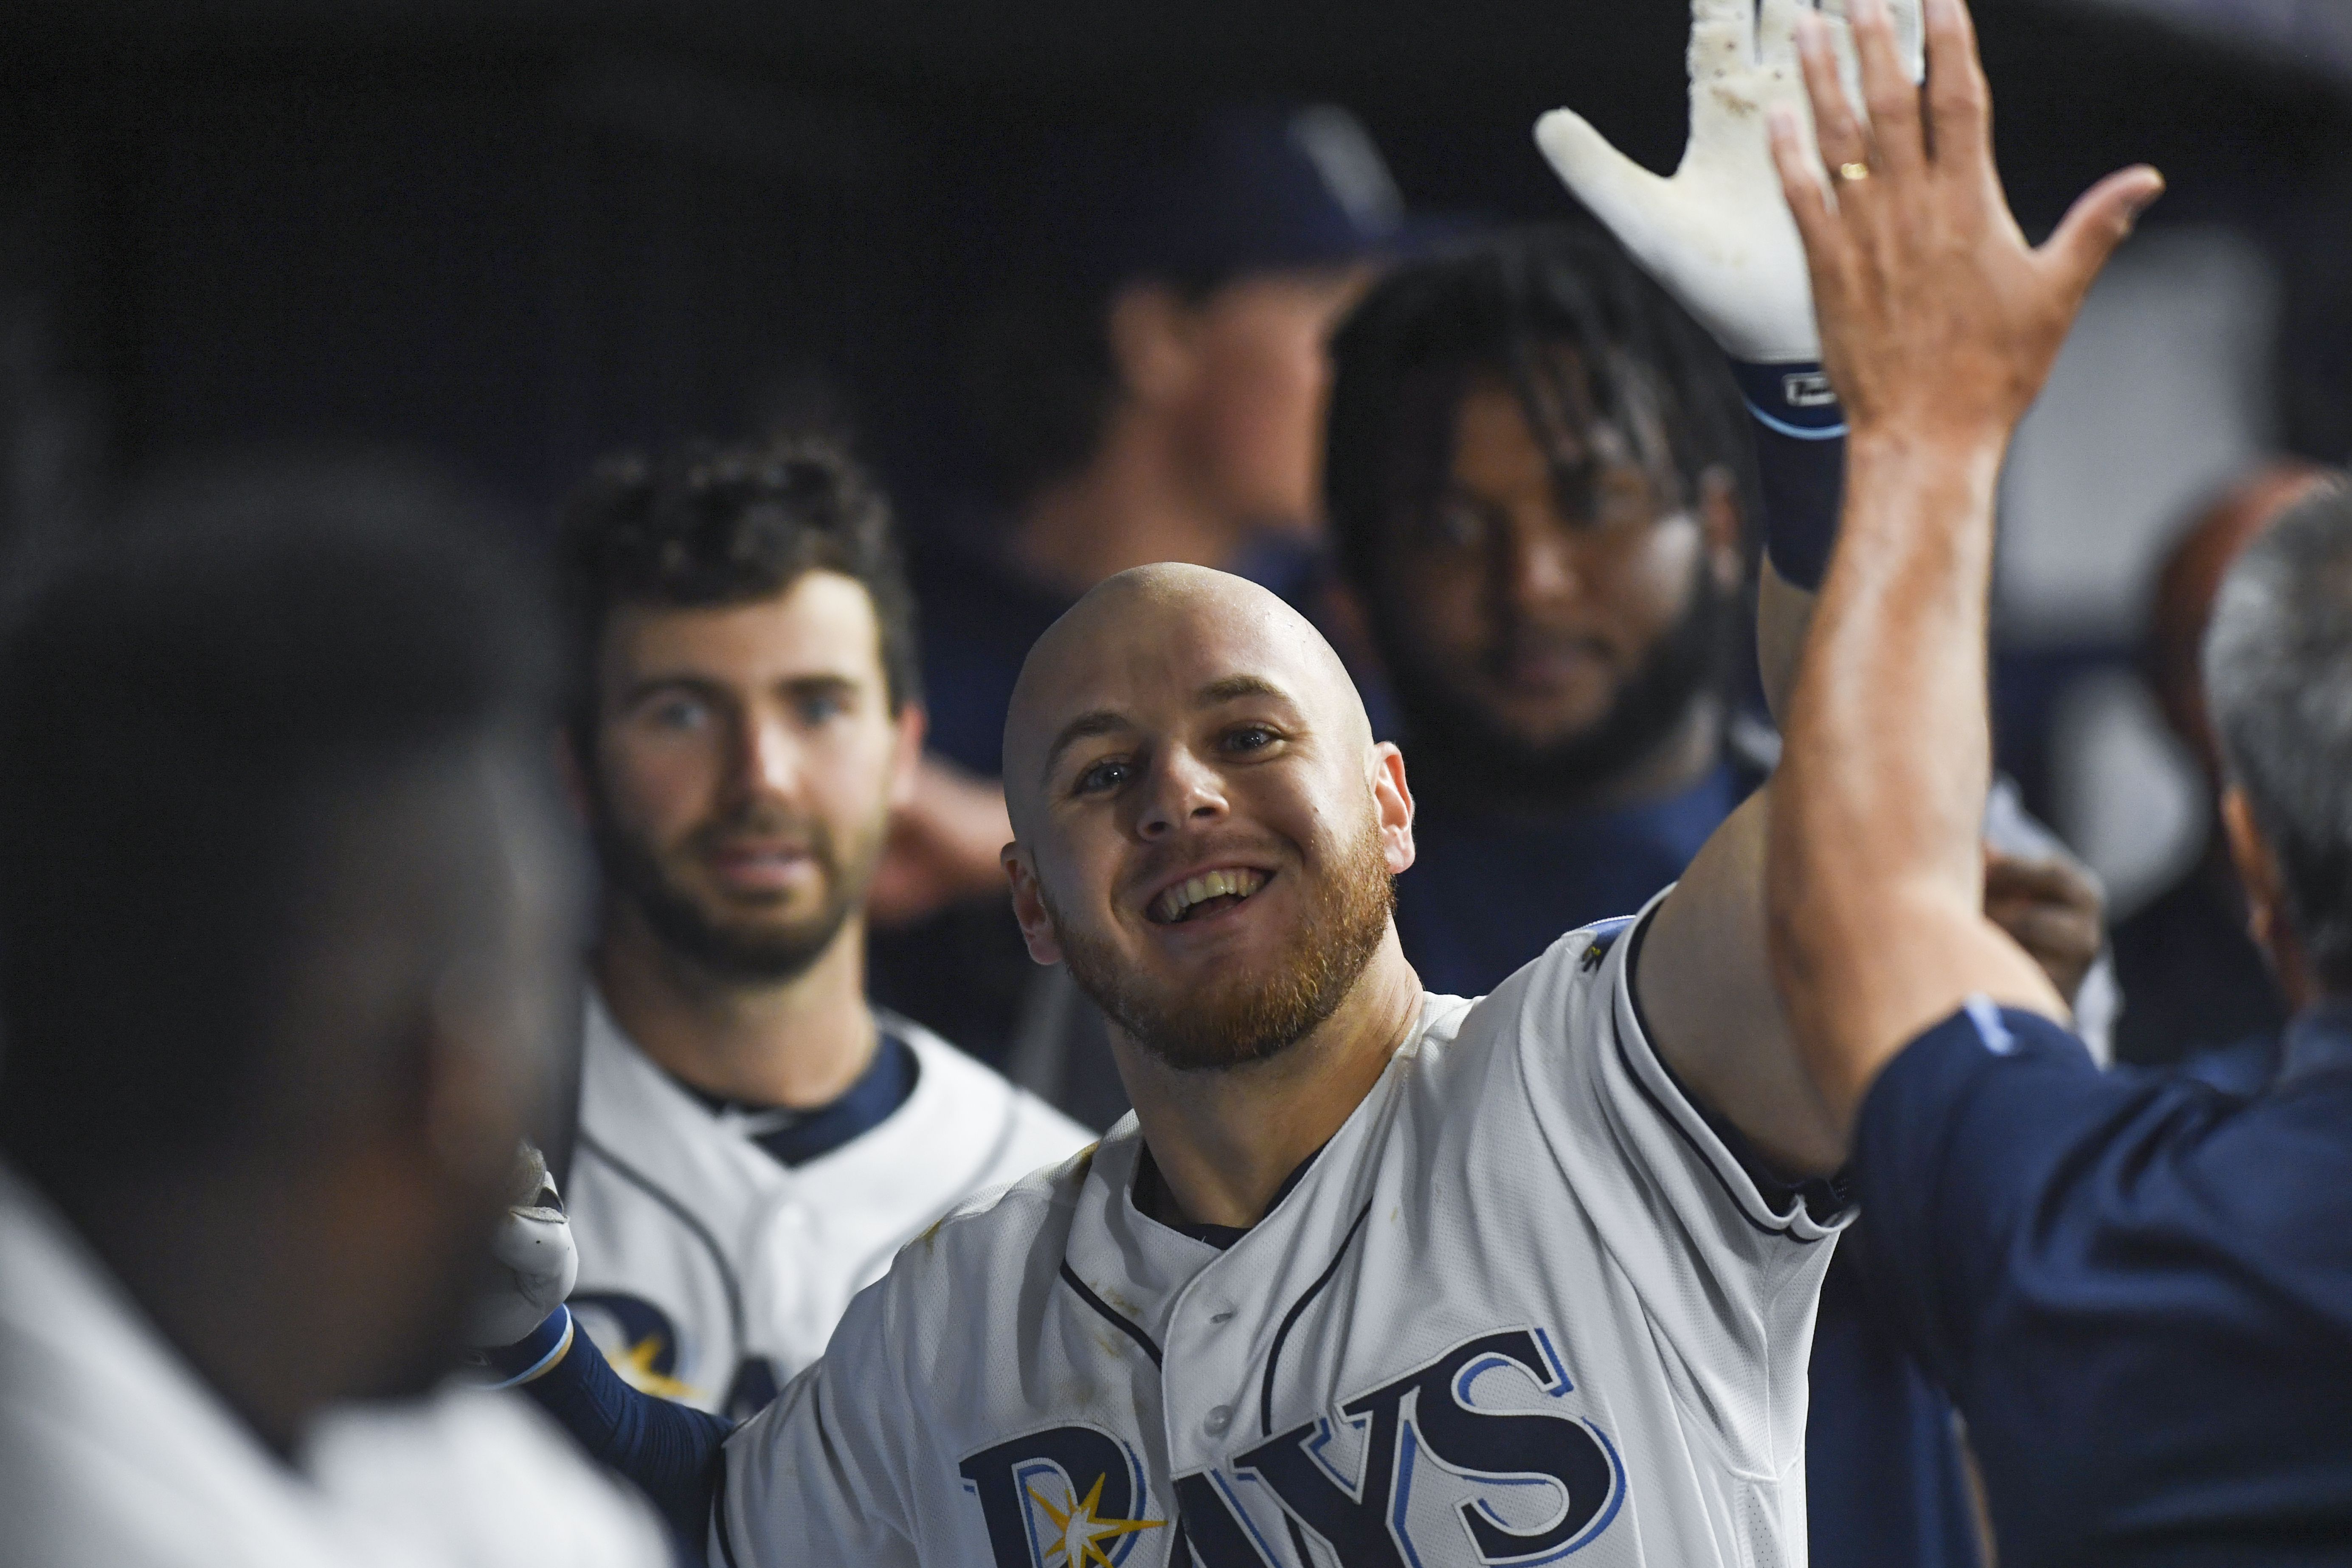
<point x="1529" y="481"/>
<point x="2278" y="676"/>
<point x="286" y="919"/>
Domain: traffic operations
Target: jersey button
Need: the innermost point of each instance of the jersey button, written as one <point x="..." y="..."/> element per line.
<point x="1219" y="1419"/>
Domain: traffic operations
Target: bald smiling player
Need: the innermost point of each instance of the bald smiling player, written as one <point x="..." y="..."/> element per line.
<point x="1371" y="1276"/>
<point x="1413" y="1278"/>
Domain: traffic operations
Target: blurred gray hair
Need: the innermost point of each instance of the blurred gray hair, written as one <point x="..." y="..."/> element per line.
<point x="2278" y="675"/>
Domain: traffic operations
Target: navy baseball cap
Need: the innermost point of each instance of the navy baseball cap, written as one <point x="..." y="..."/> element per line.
<point x="1259" y="188"/>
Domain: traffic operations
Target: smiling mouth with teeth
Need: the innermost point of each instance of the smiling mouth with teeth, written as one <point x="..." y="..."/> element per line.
<point x="1206" y="894"/>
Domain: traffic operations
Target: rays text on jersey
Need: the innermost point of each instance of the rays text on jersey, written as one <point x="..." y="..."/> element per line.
<point x="1469" y="1459"/>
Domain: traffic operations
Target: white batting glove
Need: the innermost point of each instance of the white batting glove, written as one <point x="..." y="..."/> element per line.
<point x="1718" y="235"/>
<point x="536" y="1262"/>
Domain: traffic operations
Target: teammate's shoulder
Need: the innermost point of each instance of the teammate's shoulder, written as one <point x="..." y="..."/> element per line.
<point x="968" y="1266"/>
<point x="1568" y="986"/>
<point x="1577" y="955"/>
<point x="1002" y="1221"/>
<point x="1580" y="981"/>
<point x="1031" y="1130"/>
<point x="1591" y="947"/>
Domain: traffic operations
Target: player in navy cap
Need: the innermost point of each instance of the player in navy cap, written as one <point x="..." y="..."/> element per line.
<point x="2139" y="1290"/>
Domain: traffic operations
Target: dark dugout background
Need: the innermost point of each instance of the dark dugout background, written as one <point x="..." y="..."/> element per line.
<point x="515" y="234"/>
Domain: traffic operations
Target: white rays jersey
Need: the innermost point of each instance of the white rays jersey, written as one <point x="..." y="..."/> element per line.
<point x="1524" y="1304"/>
<point x="114" y="1453"/>
<point x="710" y="1270"/>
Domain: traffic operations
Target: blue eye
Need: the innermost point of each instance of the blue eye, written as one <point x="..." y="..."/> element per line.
<point x="1251" y="738"/>
<point x="817" y="708"/>
<point x="1107" y="774"/>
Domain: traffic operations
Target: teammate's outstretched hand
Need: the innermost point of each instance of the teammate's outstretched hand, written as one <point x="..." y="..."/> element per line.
<point x="1937" y="320"/>
<point x="1717" y="235"/>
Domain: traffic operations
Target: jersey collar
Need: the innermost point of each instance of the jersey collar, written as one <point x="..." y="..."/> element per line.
<point x="1149" y="1196"/>
<point x="796" y="1137"/>
<point x="1141" y="1266"/>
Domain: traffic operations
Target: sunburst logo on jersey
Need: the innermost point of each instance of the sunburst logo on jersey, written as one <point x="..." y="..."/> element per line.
<point x="638" y="1339"/>
<point x="1082" y="1532"/>
<point x="637" y="1365"/>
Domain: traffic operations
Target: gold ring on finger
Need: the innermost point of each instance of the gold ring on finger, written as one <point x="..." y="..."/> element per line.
<point x="1854" y="171"/>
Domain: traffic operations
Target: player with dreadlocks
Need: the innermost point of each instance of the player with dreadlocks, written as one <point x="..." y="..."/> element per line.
<point x="1536" y="472"/>
<point x="1531" y="482"/>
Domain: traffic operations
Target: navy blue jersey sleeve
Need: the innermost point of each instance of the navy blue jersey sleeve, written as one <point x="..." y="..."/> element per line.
<point x="1956" y="1143"/>
<point x="2137" y="1288"/>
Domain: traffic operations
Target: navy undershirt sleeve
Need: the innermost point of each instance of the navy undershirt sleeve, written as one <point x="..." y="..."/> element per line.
<point x="670" y="1451"/>
<point x="1799" y="430"/>
<point x="1964" y="1134"/>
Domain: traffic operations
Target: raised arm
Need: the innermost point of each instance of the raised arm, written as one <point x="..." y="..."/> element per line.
<point x="1940" y="324"/>
<point x="1719" y="236"/>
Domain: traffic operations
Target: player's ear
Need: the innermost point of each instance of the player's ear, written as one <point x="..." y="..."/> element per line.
<point x="1029" y="907"/>
<point x="2258" y="873"/>
<point x="1149" y="327"/>
<point x="1392" y="803"/>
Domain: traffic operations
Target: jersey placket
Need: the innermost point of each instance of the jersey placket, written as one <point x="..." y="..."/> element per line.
<point x="1240" y="1331"/>
<point x="778" y="1223"/>
<point x="639" y="1121"/>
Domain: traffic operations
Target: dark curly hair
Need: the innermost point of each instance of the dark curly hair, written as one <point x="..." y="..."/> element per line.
<point x="1405" y="355"/>
<point x="706" y="525"/>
